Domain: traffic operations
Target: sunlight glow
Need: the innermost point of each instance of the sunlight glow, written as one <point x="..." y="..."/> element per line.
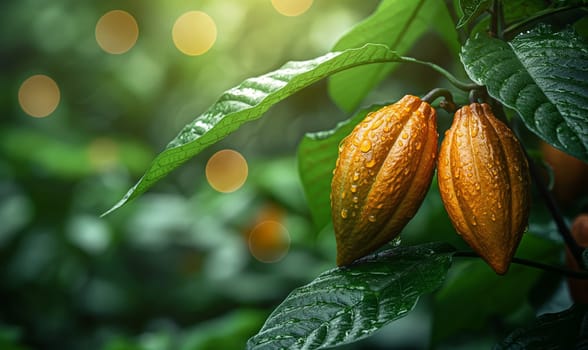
<point x="194" y="33"/>
<point x="291" y="7"/>
<point x="226" y="171"/>
<point x="117" y="32"/>
<point x="39" y="96"/>
<point x="269" y="241"/>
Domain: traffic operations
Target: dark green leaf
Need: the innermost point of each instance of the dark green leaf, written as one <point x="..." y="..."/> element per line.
<point x="317" y="154"/>
<point x="543" y="76"/>
<point x="471" y="9"/>
<point x="247" y="102"/>
<point x="397" y="24"/>
<point x="558" y="331"/>
<point x="344" y="305"/>
<point x="515" y="10"/>
<point x="474" y="294"/>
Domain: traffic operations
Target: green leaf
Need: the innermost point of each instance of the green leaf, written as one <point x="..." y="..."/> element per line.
<point x="543" y="76"/>
<point x="562" y="330"/>
<point x="344" y="305"/>
<point x="247" y="102"/>
<point x="317" y="154"/>
<point x="397" y="24"/>
<point x="515" y="10"/>
<point x="474" y="294"/>
<point x="471" y="9"/>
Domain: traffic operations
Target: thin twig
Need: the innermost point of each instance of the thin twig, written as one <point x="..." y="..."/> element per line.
<point x="562" y="227"/>
<point x="447" y="103"/>
<point x="522" y="261"/>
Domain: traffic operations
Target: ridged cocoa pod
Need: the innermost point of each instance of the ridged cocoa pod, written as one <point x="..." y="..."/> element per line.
<point x="484" y="184"/>
<point x="383" y="172"/>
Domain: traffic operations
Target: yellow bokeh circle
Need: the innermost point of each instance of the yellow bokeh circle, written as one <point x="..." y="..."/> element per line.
<point x="269" y="241"/>
<point x="117" y="32"/>
<point x="39" y="96"/>
<point x="291" y="7"/>
<point x="226" y="171"/>
<point x="194" y="33"/>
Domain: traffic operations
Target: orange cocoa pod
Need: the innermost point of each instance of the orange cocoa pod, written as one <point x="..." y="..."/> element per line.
<point x="484" y="184"/>
<point x="384" y="169"/>
<point x="578" y="288"/>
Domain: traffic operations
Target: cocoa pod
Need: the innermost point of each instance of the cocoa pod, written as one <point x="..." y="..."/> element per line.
<point x="484" y="182"/>
<point x="578" y="288"/>
<point x="384" y="169"/>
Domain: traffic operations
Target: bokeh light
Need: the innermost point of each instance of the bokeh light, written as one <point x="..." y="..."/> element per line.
<point x="117" y="32"/>
<point x="39" y="96"/>
<point x="194" y="33"/>
<point x="226" y="171"/>
<point x="291" y="7"/>
<point x="269" y="241"/>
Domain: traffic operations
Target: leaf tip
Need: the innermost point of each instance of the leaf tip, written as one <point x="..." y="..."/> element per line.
<point x="124" y="200"/>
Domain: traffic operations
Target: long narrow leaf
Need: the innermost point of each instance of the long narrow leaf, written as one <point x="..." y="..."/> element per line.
<point x="248" y="101"/>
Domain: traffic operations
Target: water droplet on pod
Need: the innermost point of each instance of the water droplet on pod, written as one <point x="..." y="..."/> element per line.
<point x="366" y="146"/>
<point x="344" y="213"/>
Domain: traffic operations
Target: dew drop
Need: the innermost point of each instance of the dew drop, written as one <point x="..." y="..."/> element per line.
<point x="372" y="218"/>
<point x="370" y="163"/>
<point x="417" y="146"/>
<point x="493" y="217"/>
<point x="405" y="136"/>
<point x="353" y="188"/>
<point x="474" y="222"/>
<point x="477" y="186"/>
<point x="366" y="146"/>
<point x="499" y="205"/>
<point x="344" y="213"/>
<point x="356" y="176"/>
<point x="355" y="199"/>
<point x="400" y="143"/>
<point x="456" y="175"/>
<point x="377" y="124"/>
<point x="406" y="171"/>
<point x="474" y="131"/>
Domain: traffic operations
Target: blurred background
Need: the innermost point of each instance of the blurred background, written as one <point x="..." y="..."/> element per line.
<point x="91" y="92"/>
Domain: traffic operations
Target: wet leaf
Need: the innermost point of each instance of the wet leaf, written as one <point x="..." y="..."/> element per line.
<point x="344" y="305"/>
